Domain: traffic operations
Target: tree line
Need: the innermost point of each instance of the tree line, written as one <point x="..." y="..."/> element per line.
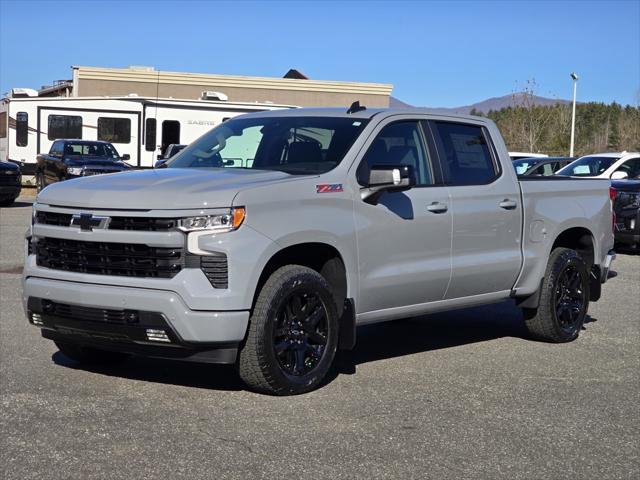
<point x="600" y="127"/>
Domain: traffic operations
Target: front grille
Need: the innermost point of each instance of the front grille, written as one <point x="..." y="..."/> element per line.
<point x="9" y="179"/>
<point x="216" y="270"/>
<point x="97" y="171"/>
<point x="146" y="224"/>
<point x="102" y="258"/>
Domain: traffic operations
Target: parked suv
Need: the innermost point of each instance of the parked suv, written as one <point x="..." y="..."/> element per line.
<point x="78" y="158"/>
<point x="341" y="218"/>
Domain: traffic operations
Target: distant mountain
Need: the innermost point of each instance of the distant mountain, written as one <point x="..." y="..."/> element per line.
<point x="484" y="106"/>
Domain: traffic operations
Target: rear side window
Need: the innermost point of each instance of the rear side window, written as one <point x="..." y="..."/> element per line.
<point x="398" y="143"/>
<point x="22" y="129"/>
<point x="114" y="130"/>
<point x="150" y="134"/>
<point x="465" y="154"/>
<point x="64" y="126"/>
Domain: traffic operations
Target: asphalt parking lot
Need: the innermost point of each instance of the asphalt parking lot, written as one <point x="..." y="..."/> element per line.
<point x="458" y="395"/>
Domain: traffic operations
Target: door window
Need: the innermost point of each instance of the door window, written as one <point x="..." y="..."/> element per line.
<point x="150" y="135"/>
<point x="631" y="168"/>
<point x="465" y="154"/>
<point x="170" y="133"/>
<point x="22" y="129"/>
<point x="399" y="143"/>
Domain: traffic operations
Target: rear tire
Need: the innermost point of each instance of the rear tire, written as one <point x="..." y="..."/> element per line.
<point x="90" y="355"/>
<point x="293" y="333"/>
<point x="564" y="299"/>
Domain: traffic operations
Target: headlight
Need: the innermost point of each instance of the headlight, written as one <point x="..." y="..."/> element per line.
<point x="74" y="170"/>
<point x="223" y="222"/>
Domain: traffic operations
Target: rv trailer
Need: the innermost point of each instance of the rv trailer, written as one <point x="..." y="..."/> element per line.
<point x="142" y="127"/>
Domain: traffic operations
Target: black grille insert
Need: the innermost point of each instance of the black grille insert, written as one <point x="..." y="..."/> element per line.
<point x="103" y="258"/>
<point x="216" y="269"/>
<point x="147" y="224"/>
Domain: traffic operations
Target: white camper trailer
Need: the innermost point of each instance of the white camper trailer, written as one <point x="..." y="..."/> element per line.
<point x="142" y="127"/>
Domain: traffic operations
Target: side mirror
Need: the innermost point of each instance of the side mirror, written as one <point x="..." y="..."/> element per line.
<point x="126" y="156"/>
<point x="161" y="164"/>
<point x="389" y="178"/>
<point x="619" y="175"/>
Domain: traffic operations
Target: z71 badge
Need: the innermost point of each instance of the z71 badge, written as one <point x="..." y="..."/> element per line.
<point x="329" y="188"/>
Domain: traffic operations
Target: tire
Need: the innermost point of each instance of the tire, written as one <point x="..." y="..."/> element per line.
<point x="7" y="203"/>
<point x="39" y="181"/>
<point x="293" y="334"/>
<point x="90" y="355"/>
<point x="564" y="299"/>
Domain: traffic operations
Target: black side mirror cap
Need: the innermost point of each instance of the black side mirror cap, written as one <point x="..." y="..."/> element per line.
<point x="126" y="156"/>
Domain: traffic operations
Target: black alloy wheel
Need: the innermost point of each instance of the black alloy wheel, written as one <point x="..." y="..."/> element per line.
<point x="300" y="333"/>
<point x="570" y="298"/>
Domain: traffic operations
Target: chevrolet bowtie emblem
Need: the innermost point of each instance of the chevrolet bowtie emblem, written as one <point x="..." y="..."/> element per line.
<point x="88" y="222"/>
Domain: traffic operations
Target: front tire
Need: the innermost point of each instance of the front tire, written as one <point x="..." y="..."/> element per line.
<point x="293" y="333"/>
<point x="564" y="299"/>
<point x="82" y="354"/>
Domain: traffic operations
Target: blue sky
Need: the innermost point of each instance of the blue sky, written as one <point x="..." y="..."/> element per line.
<point x="434" y="53"/>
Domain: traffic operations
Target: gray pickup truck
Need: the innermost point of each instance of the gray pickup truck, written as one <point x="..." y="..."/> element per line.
<point x="334" y="219"/>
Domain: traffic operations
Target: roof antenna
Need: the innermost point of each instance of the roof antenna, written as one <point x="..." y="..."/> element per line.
<point x="356" y="107"/>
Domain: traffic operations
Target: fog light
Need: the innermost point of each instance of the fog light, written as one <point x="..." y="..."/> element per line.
<point x="36" y="319"/>
<point x="157" y="335"/>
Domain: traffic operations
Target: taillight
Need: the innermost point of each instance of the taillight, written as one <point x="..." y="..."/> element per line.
<point x="613" y="193"/>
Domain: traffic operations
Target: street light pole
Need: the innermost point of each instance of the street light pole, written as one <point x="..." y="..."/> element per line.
<point x="574" y="77"/>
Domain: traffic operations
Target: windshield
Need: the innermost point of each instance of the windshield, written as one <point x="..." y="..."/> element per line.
<point x="295" y="145"/>
<point x="587" y="166"/>
<point x="91" y="150"/>
<point x="522" y="166"/>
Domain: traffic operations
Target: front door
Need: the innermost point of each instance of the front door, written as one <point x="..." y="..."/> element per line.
<point x="487" y="215"/>
<point x="404" y="239"/>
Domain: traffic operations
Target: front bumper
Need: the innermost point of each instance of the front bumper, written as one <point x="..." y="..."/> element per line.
<point x="189" y="331"/>
<point x="9" y="191"/>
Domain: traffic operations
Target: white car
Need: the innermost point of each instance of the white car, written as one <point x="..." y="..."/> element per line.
<point x="616" y="166"/>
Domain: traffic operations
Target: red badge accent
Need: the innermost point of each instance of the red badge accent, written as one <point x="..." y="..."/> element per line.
<point x="329" y="188"/>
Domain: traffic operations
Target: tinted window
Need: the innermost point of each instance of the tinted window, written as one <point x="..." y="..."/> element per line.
<point x="64" y="126"/>
<point x="57" y="148"/>
<point x="522" y="166"/>
<point x="3" y="124"/>
<point x="114" y="130"/>
<point x="464" y="153"/>
<point x="398" y="144"/>
<point x="150" y="135"/>
<point x="90" y="149"/>
<point x="22" y="129"/>
<point x="587" y="166"/>
<point x="295" y="145"/>
<point x="631" y="168"/>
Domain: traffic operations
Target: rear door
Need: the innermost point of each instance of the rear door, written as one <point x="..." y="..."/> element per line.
<point x="486" y="209"/>
<point x="404" y="239"/>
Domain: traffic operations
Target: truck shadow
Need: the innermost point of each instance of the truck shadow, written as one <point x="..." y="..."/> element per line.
<point x="375" y="342"/>
<point x="433" y="332"/>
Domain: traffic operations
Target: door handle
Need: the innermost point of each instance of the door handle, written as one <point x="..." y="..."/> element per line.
<point x="508" y="204"/>
<point x="437" y="207"/>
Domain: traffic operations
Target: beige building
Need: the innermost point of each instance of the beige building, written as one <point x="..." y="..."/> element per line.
<point x="293" y="89"/>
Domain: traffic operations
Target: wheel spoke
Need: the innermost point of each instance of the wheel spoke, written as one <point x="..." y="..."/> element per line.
<point x="315" y="317"/>
<point x="299" y="360"/>
<point x="281" y="347"/>
<point x="316" y="338"/>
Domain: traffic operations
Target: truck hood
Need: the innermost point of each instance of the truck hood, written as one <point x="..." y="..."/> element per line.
<point x="161" y="189"/>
